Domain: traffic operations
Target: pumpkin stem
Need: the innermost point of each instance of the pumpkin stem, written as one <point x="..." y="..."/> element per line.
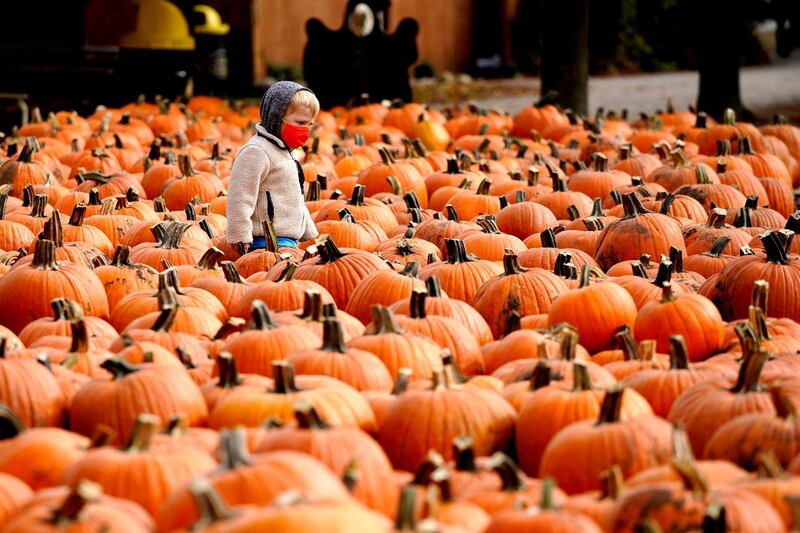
<point x="452" y="214"/>
<point x="312" y="306"/>
<point x="406" y="510"/>
<point x="751" y="367"/>
<point x="434" y="287"/>
<point x="548" y="486"/>
<point x="307" y="416"/>
<point x="632" y="205"/>
<point x="451" y="369"/>
<point x="433" y="460"/>
<point x="44" y="255"/>
<point x="714" y="519"/>
<point x="586" y="272"/>
<point x="119" y="368"/>
<point x="417" y="304"/>
<point x="328" y="252"/>
<point x="560" y="267"/>
<point x="231" y="273"/>
<point x="209" y="503"/>
<point x="442" y="478"/>
<point x="784" y="406"/>
<point x="568" y="344"/>
<point x="666" y="292"/>
<point x="776" y="253"/>
<point x="678" y="353"/>
<point x="582" y="380"/>
<point x="612" y="405"/>
<point x="283" y="374"/>
<point x="542" y="375"/>
<point x="80" y="337"/>
<point x="73" y="505"/>
<point x="384" y="321"/>
<point x="166" y="319"/>
<point x="769" y="466"/>
<point x="745" y="147"/>
<point x="719" y="246"/>
<point x="352" y="474"/>
<point x="332" y="336"/>
<point x="626" y="344"/>
<point x="262" y="319"/>
<point x="600" y="162"/>
<point x="228" y="374"/>
<point x="611" y="483"/>
<point x="233" y="449"/>
<point x="464" y="454"/>
<point x="209" y="260"/>
<point x="401" y="381"/>
<point x="142" y="436"/>
<point x="692" y="479"/>
<point x="511" y="263"/>
<point x="666" y="204"/>
<point x="508" y="471"/>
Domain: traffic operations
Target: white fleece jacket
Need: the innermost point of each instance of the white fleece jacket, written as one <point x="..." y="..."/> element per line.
<point x="259" y="167"/>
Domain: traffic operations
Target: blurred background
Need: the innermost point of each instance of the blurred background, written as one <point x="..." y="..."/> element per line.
<point x="615" y="53"/>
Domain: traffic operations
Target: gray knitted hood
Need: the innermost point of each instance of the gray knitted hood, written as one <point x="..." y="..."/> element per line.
<point x="274" y="104"/>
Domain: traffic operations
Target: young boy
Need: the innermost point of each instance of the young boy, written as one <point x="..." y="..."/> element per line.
<point x="265" y="163"/>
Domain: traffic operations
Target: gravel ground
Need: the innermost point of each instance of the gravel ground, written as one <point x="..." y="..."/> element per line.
<point x="766" y="90"/>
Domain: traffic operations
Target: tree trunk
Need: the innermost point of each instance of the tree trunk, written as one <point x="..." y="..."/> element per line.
<point x="719" y="49"/>
<point x="565" y="52"/>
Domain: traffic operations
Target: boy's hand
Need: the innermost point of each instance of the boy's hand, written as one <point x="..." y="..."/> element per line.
<point x="242" y="247"/>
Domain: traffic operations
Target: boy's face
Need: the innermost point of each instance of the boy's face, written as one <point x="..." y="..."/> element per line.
<point x="301" y="116"/>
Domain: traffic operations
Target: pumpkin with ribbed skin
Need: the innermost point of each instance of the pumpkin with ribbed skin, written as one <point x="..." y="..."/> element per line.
<point x="444" y="331"/>
<point x="635" y="444"/>
<point x="37" y="456"/>
<point x="383" y="288"/>
<point x="638" y="232"/>
<point x="526" y="291"/>
<point x="338" y="448"/>
<point x="244" y="479"/>
<point x="690" y="315"/>
<point x="450" y="412"/>
<point x="554" y="406"/>
<point x="396" y="349"/>
<point x="79" y="508"/>
<point x="461" y="275"/>
<point x="266" y="341"/>
<point x="662" y="387"/>
<point x="595" y="309"/>
<point x="337" y="403"/>
<point x="779" y="269"/>
<point x="545" y="517"/>
<point x="704" y="407"/>
<point x="685" y="504"/>
<point x="358" y="368"/>
<point x="43" y="280"/>
<point x="439" y="303"/>
<point x="741" y="439"/>
<point x="161" y="390"/>
<point x="119" y="472"/>
<point x="339" y="271"/>
<point x="280" y="291"/>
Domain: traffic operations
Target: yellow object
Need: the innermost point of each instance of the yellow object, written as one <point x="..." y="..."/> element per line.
<point x="160" y="25"/>
<point x="213" y="24"/>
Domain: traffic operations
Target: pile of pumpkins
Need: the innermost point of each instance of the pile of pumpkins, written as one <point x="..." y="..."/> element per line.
<point x="540" y="322"/>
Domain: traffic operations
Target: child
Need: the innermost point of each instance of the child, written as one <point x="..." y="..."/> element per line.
<point x="265" y="163"/>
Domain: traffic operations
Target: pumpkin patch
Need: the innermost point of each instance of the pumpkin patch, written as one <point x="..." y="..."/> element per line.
<point x="539" y="322"/>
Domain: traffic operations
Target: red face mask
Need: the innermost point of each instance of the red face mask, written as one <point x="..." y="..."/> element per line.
<point x="295" y="136"/>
